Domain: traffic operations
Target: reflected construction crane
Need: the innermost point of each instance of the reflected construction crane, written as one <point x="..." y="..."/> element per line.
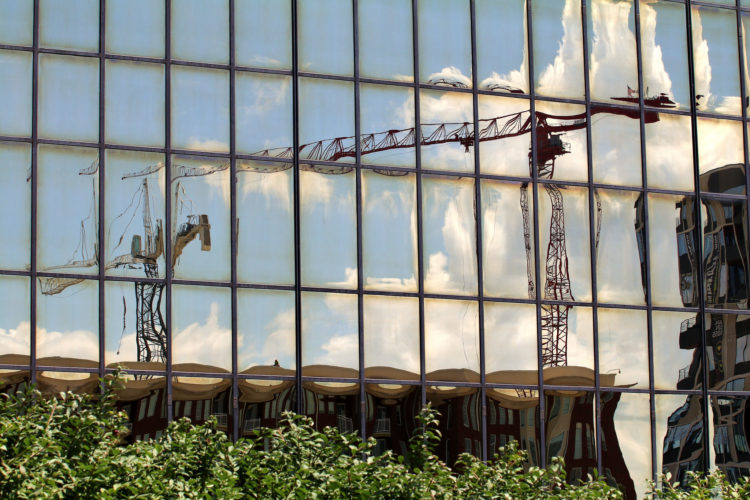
<point x="549" y="131"/>
<point x="145" y="250"/>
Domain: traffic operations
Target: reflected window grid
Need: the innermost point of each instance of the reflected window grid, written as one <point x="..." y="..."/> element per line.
<point x="719" y="310"/>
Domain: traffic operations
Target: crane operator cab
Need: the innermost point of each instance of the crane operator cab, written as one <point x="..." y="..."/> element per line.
<point x="196" y="225"/>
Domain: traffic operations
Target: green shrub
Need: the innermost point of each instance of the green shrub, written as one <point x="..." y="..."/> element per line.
<point x="69" y="447"/>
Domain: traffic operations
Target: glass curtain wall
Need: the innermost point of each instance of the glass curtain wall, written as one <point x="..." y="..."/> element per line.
<point x="532" y="215"/>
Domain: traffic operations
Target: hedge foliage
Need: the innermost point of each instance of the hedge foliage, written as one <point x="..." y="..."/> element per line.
<point x="69" y="447"/>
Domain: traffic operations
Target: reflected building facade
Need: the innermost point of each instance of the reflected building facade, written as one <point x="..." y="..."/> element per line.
<point x="531" y="214"/>
<point x="721" y="336"/>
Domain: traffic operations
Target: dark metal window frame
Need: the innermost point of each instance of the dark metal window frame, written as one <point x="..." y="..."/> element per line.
<point x="477" y="176"/>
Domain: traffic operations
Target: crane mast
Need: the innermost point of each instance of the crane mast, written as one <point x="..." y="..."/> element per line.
<point x="151" y="331"/>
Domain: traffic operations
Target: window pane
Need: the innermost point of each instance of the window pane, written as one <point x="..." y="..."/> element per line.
<point x="68" y="204"/>
<point x="200" y="30"/>
<point x="615" y="148"/>
<point x="265" y="330"/>
<point x="201" y="224"/>
<point x="677" y="357"/>
<point x="721" y="156"/>
<point x="508" y="246"/>
<point x="15" y="100"/>
<point x="14" y="326"/>
<point x="325" y="36"/>
<point x="68" y="98"/>
<point x="135" y="325"/>
<point x="619" y="248"/>
<point x="265" y="223"/>
<point x="445" y="43"/>
<point x="558" y="48"/>
<point x="72" y="25"/>
<point x="392" y="335"/>
<point x="326" y="112"/>
<point x="564" y="242"/>
<point x="501" y="46"/>
<point x="385" y="39"/>
<point x="389" y="239"/>
<point x="446" y="118"/>
<point x="135" y="215"/>
<point x="201" y="322"/>
<point x="449" y="233"/>
<point x="504" y="148"/>
<point x="611" y="50"/>
<point x="626" y="444"/>
<point x="669" y="153"/>
<point x="263" y="113"/>
<point x="561" y="155"/>
<point x="623" y="346"/>
<point x="717" y="82"/>
<point x="263" y="33"/>
<point x="387" y="121"/>
<point x="135" y="27"/>
<point x="672" y="235"/>
<point x="328" y="229"/>
<point x="665" y="63"/>
<point x="329" y="333"/>
<point x="451" y="340"/>
<point x="135" y="104"/>
<point x="725" y="253"/>
<point x="15" y="198"/>
<point x="16" y="17"/>
<point x="510" y="341"/>
<point x="679" y="436"/>
<point x="68" y="324"/>
<point x="200" y="109"/>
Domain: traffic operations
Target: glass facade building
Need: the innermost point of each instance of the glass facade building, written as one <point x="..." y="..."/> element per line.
<point x="531" y="214"/>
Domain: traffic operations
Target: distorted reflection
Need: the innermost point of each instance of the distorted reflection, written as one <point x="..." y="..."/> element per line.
<point x="724" y="266"/>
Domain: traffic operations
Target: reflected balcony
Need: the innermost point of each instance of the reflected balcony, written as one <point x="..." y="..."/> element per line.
<point x="382" y="427"/>
<point x="345" y="424"/>
<point x="221" y="420"/>
<point x="250" y="425"/>
<point x="686" y="379"/>
<point x="690" y="334"/>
